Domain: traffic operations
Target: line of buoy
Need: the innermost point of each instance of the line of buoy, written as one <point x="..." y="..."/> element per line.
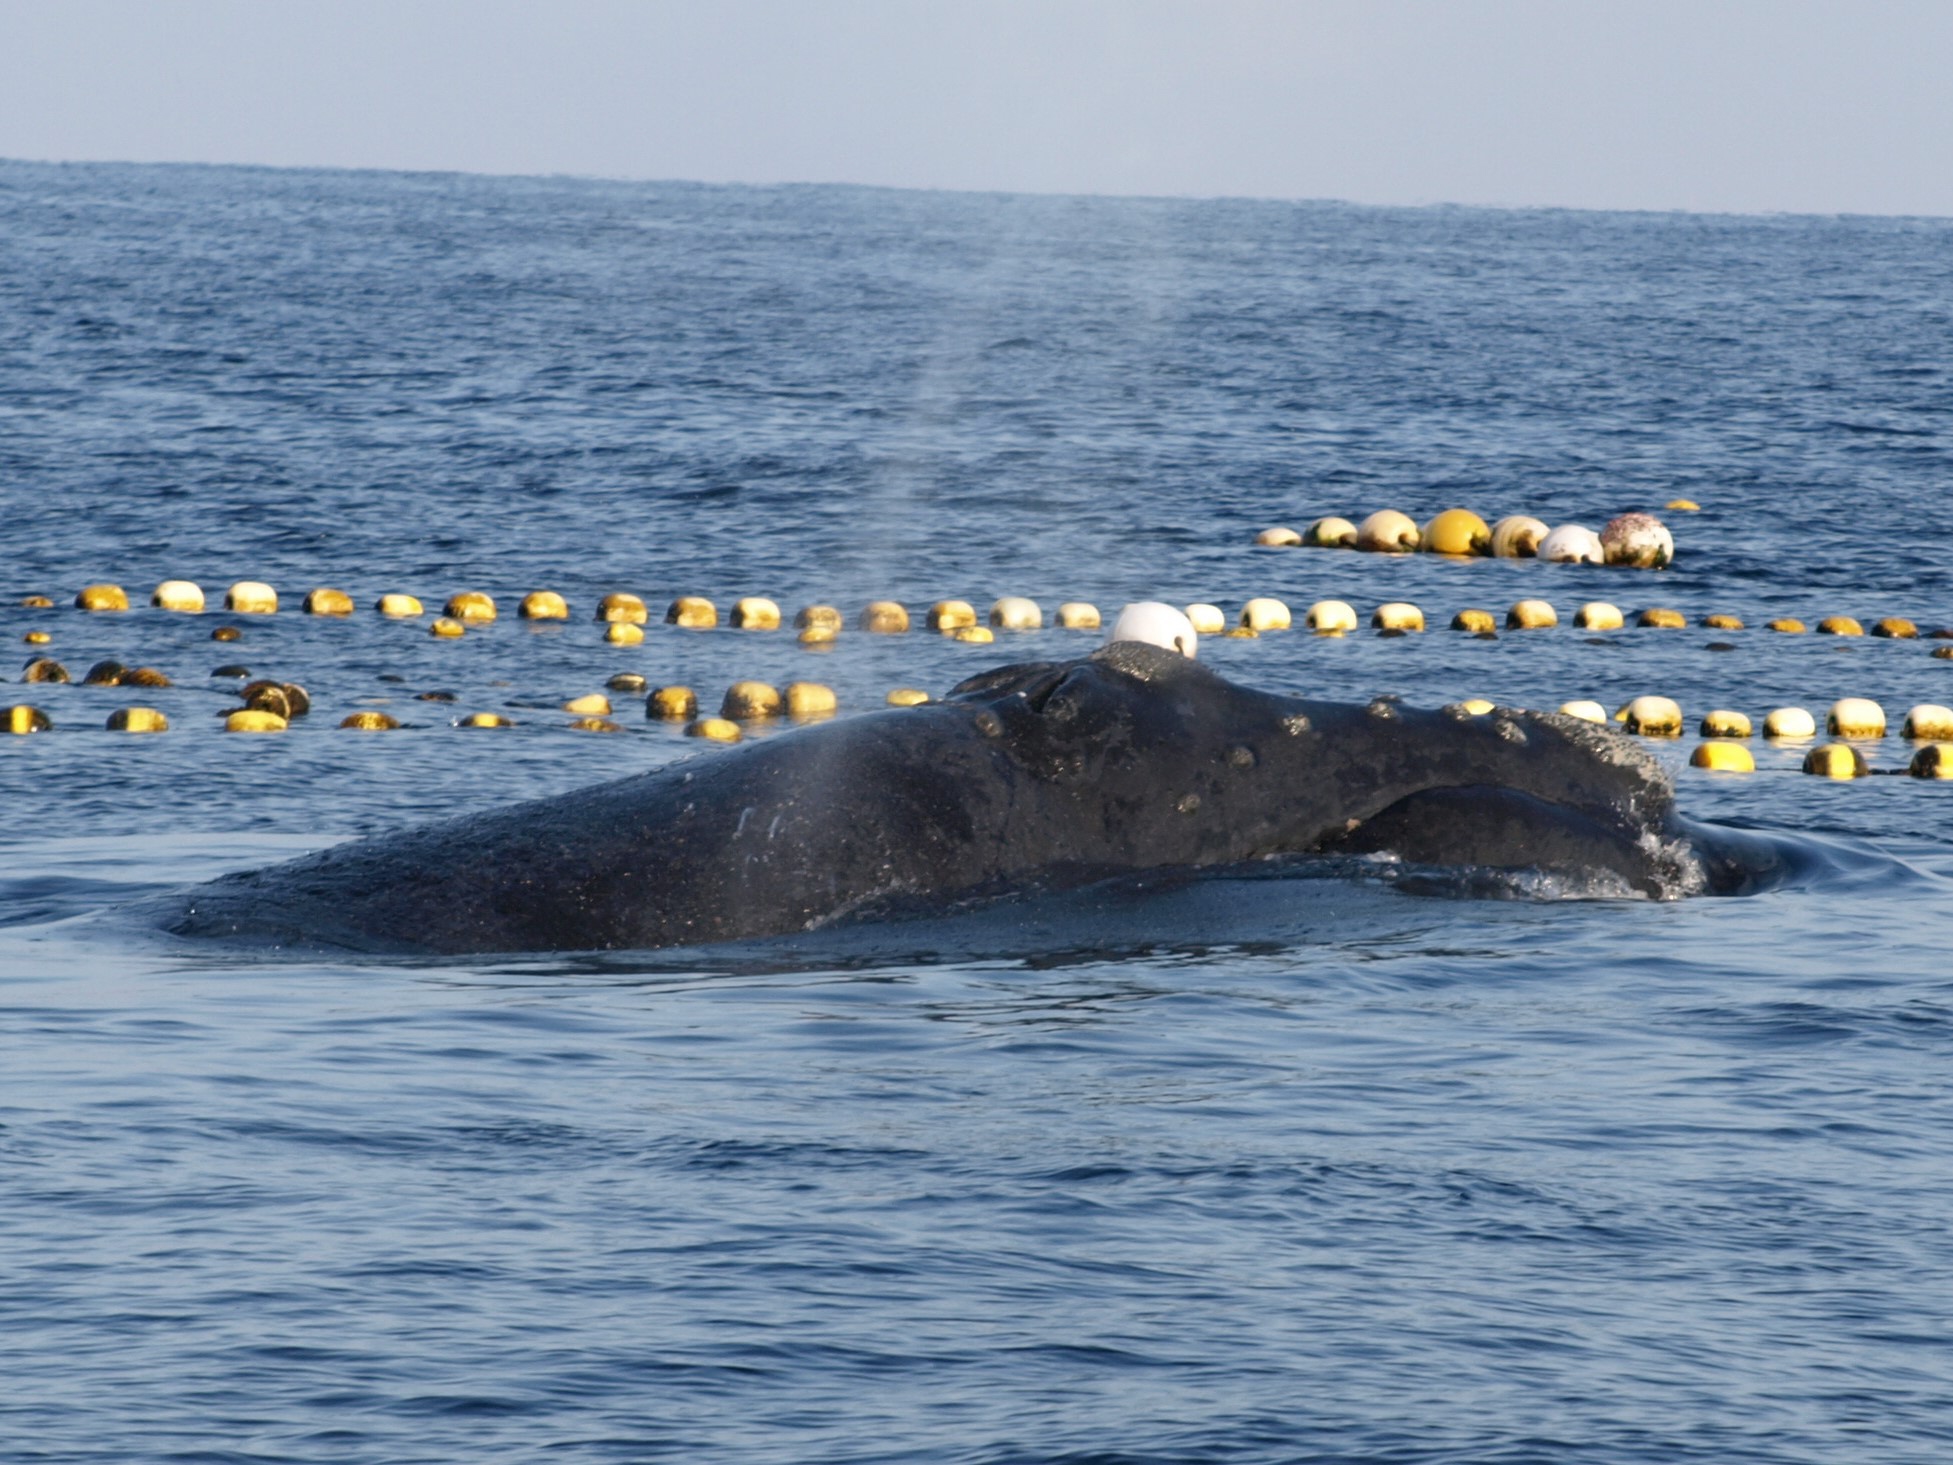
<point x="1637" y="540"/>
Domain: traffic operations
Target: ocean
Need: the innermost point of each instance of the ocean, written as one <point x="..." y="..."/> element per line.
<point x="1244" y="1169"/>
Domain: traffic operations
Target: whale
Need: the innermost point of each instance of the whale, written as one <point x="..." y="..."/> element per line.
<point x="1041" y="775"/>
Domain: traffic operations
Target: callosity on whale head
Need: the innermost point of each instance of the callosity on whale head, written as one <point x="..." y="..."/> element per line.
<point x="1133" y="758"/>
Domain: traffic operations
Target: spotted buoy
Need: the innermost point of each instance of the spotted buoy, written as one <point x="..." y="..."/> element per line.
<point x="1839" y="626"/>
<point x="398" y="607"/>
<point x="101" y="674"/>
<point x="715" y="729"/>
<point x="806" y="701"/>
<point x="44" y="669"/>
<point x="1598" y="615"/>
<point x="1388" y="532"/>
<point x="1639" y="541"/>
<point x="884" y="618"/>
<point x="692" y="613"/>
<point x="543" y="605"/>
<point x="1456" y="532"/>
<point x="1935" y="760"/>
<point x="1157" y="624"/>
<point x="819" y="615"/>
<point x="1720" y="622"/>
<point x="1207" y="620"/>
<point x="137" y="720"/>
<point x="369" y="721"/>
<point x="1789" y="722"/>
<point x="1330" y="617"/>
<point x="620" y="607"/>
<point x="626" y="681"/>
<point x="254" y="720"/>
<point x="1278" y="537"/>
<point x="1785" y="626"/>
<point x="1661" y="618"/>
<point x="1517" y="537"/>
<point x="1943" y="653"/>
<point x="1896" y="628"/>
<point x="1835" y="760"/>
<point x="1330" y="533"/>
<point x="1477" y="622"/>
<point x="1584" y="710"/>
<point x="907" y="697"/>
<point x="1654" y="717"/>
<point x="146" y="676"/>
<point x="755" y="613"/>
<point x="24" y="719"/>
<point x="102" y="598"/>
<point x="1929" y="721"/>
<point x="1078" y="615"/>
<point x="471" y="607"/>
<point x="591" y="704"/>
<point x="593" y="725"/>
<point x="750" y="701"/>
<point x="1855" y="717"/>
<point x="446" y="627"/>
<point x="1397" y="615"/>
<point x="36" y="602"/>
<point x="178" y="595"/>
<point x="1531" y="615"/>
<point x="1723" y="757"/>
<point x="251" y="597"/>
<point x="1722" y="723"/>
<point x="1572" y="544"/>
<point x="951" y="615"/>
<point x="1265" y="614"/>
<point x="672" y="704"/>
<point x="624" y="633"/>
<point x="1015" y="613"/>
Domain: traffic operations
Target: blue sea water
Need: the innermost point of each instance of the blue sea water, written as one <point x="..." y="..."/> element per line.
<point x="1243" y="1170"/>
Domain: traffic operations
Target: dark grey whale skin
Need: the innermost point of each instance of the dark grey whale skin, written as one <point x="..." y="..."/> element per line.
<point x="1130" y="759"/>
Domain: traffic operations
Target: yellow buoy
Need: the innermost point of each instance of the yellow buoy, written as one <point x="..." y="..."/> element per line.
<point x="951" y="615"/>
<point x="471" y="606"/>
<point x="1683" y="506"/>
<point x="268" y="696"/>
<point x="692" y="613"/>
<point x="1207" y="620"/>
<point x="1660" y="617"/>
<point x="227" y="633"/>
<point x="1397" y="615"/>
<point x="620" y="607"/>
<point x="716" y="729"/>
<point x="543" y="605"/>
<point x="37" y="638"/>
<point x="1721" y="622"/>
<point x="819" y="637"/>
<point x="1478" y="622"/>
<point x="1789" y="722"/>
<point x="1839" y="626"/>
<point x="1835" y="760"/>
<point x="1329" y="617"/>
<point x="755" y="613"/>
<point x="672" y="704"/>
<point x="593" y="724"/>
<point x="1785" y="625"/>
<point x="1598" y="615"/>
<point x="1722" y="723"/>
<point x="749" y="701"/>
<point x="1457" y="532"/>
<point x="483" y="719"/>
<point x="178" y="595"/>
<point x="1584" y="710"/>
<point x="1280" y="536"/>
<point x="1387" y="531"/>
<point x="592" y="704"/>
<point x="1531" y="615"/>
<point x="325" y="601"/>
<point x="446" y="627"/>
<point x="1330" y="532"/>
<point x="907" y="697"/>
<point x="1242" y="633"/>
<point x="1078" y="615"/>
<point x="25" y="719"/>
<point x="1935" y="760"/>
<point x="398" y="607"/>
<point x="1723" y="757"/>
<point x="102" y="597"/>
<point x="1477" y="706"/>
<point x="1654" y="717"/>
<point x="1855" y="717"/>
<point x="1929" y="721"/>
<point x="1015" y="613"/>
<point x="624" y="633"/>
<point x="251" y="597"/>
<point x="1264" y="614"/>
<point x="254" y="720"/>
<point x="975" y="635"/>
<point x="44" y="669"/>
<point x="1517" y="537"/>
<point x="626" y="681"/>
<point x="826" y="615"/>
<point x="1943" y="653"/>
<point x="884" y="618"/>
<point x="36" y="602"/>
<point x="369" y="721"/>
<point x="1896" y="628"/>
<point x="137" y="720"/>
<point x="809" y="700"/>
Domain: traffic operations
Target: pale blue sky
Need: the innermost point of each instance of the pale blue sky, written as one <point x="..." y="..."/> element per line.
<point x="1803" y="105"/>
